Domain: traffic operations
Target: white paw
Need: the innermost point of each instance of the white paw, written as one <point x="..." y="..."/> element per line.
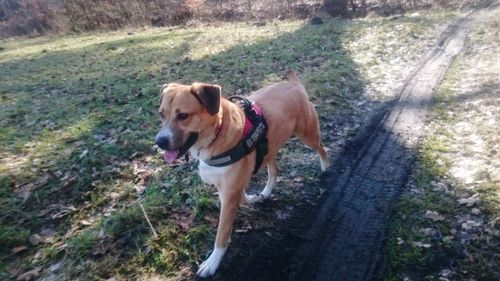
<point x="264" y="194"/>
<point x="251" y="199"/>
<point x="324" y="165"/>
<point x="210" y="265"/>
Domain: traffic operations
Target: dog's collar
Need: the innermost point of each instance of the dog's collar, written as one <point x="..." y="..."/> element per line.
<point x="254" y="137"/>
<point x="218" y="131"/>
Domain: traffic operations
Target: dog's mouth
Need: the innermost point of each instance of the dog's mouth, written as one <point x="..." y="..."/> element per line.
<point x="172" y="155"/>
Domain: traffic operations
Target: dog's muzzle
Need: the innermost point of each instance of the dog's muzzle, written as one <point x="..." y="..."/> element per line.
<point x="171" y="154"/>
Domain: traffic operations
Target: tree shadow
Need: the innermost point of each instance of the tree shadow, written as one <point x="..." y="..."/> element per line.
<point x="111" y="88"/>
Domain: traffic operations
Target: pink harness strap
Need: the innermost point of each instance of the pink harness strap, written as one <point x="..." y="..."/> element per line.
<point x="248" y="123"/>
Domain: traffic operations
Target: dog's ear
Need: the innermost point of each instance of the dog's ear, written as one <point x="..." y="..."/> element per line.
<point x="161" y="91"/>
<point x="208" y="95"/>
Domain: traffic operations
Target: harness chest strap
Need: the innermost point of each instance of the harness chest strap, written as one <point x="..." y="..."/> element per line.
<point x="254" y="138"/>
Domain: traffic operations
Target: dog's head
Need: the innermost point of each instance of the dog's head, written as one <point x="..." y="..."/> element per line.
<point x="188" y="114"/>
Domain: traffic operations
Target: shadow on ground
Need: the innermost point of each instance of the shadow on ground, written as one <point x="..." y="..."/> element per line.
<point x="74" y="122"/>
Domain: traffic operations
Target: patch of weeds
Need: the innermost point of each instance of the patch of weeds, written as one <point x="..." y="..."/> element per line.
<point x="129" y="219"/>
<point x="83" y="244"/>
<point x="12" y="236"/>
<point x="431" y="163"/>
<point x="202" y="205"/>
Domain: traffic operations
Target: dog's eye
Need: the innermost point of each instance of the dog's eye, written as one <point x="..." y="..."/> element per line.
<point x="182" y="116"/>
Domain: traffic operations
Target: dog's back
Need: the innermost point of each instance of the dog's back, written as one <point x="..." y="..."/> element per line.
<point x="288" y="112"/>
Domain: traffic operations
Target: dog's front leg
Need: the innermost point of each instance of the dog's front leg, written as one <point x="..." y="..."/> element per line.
<point x="229" y="208"/>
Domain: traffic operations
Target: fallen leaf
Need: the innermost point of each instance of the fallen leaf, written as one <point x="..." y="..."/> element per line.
<point x="244" y="229"/>
<point x="56" y="266"/>
<point x="434" y="216"/>
<point x="299" y="179"/>
<point x="470" y="224"/>
<point x="86" y="222"/>
<point x="446" y="273"/>
<point x="469" y="202"/>
<point x="14" y="270"/>
<point x="185" y="220"/>
<point x="428" y="231"/>
<point x="421" y="245"/>
<point x="30" y="275"/>
<point x="282" y="215"/>
<point x="18" y="249"/>
<point x="104" y="246"/>
<point x="35" y="239"/>
<point x="24" y="191"/>
<point x="62" y="211"/>
<point x="212" y="220"/>
<point x="83" y="154"/>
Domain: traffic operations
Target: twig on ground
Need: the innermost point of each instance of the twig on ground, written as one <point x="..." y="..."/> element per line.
<point x="147" y="219"/>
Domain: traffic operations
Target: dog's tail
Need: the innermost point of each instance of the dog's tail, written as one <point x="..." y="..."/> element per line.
<point x="292" y="76"/>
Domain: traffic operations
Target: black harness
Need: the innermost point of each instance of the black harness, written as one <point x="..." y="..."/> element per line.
<point x="255" y="139"/>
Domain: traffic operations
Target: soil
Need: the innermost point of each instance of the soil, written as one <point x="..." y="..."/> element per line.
<point x="340" y="237"/>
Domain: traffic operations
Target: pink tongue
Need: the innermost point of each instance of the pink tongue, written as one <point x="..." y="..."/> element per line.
<point x="170" y="156"/>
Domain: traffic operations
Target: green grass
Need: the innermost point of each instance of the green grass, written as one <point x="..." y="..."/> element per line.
<point x="78" y="120"/>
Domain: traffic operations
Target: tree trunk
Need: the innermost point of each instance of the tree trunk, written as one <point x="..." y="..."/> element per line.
<point x="336" y="7"/>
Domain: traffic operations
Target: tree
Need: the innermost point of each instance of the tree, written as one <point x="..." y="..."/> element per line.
<point x="336" y="7"/>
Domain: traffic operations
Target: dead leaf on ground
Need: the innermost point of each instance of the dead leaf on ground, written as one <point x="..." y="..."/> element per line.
<point x="428" y="231"/>
<point x="299" y="179"/>
<point x="246" y="228"/>
<point x="61" y="211"/>
<point x="434" y="216"/>
<point x="47" y="235"/>
<point x="35" y="239"/>
<point x="104" y="246"/>
<point x="476" y="211"/>
<point x="56" y="266"/>
<point x="212" y="220"/>
<point x="471" y="201"/>
<point x="87" y="222"/>
<point x="13" y="270"/>
<point x="24" y="191"/>
<point x="185" y="220"/>
<point x="83" y="154"/>
<point x="30" y="275"/>
<point x="470" y="224"/>
<point x="421" y="244"/>
<point x="18" y="249"/>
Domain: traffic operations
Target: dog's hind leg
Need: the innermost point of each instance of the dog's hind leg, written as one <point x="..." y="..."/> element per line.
<point x="315" y="144"/>
<point x="272" y="175"/>
<point x="310" y="136"/>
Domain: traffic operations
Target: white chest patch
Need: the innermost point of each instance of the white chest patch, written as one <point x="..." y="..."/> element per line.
<point x="211" y="174"/>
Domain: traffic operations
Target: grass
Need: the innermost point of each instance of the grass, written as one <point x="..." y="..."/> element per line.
<point x="78" y="119"/>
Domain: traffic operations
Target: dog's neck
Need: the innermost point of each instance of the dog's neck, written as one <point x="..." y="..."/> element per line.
<point x="225" y="134"/>
<point x="219" y="127"/>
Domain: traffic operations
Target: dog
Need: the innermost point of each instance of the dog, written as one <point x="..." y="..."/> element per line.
<point x="196" y="118"/>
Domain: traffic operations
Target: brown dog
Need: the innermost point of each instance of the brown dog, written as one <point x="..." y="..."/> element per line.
<point x="197" y="119"/>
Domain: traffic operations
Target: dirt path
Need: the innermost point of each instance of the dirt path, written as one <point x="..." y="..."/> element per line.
<point x="342" y="237"/>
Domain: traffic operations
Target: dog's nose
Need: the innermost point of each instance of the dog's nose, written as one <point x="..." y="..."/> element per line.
<point x="162" y="142"/>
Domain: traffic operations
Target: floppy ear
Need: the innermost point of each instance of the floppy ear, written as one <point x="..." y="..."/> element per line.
<point x="161" y="91"/>
<point x="208" y="96"/>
